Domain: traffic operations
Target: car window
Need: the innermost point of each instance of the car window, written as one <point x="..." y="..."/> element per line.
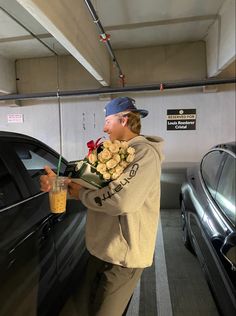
<point x="35" y="158"/>
<point x="225" y="195"/>
<point x="9" y="192"/>
<point x="210" y="168"/>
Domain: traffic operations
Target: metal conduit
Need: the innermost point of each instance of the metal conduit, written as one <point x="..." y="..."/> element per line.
<point x="28" y="30"/>
<point x="102" y="33"/>
<point x="159" y="86"/>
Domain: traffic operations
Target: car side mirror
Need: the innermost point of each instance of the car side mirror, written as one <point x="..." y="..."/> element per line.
<point x="228" y="250"/>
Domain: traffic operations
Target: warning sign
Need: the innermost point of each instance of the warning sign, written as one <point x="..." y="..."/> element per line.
<point x="178" y="120"/>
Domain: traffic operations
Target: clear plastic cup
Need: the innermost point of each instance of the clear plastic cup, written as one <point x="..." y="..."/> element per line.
<point x="58" y="194"/>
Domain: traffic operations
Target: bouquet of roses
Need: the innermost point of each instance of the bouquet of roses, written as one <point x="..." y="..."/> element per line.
<point x="105" y="162"/>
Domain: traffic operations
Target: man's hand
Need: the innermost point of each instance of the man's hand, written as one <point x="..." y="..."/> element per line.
<point x="44" y="180"/>
<point x="73" y="189"/>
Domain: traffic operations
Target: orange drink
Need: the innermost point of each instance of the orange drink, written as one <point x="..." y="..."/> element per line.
<point x="58" y="194"/>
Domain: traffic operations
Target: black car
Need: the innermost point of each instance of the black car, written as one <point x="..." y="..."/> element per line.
<point x="209" y="221"/>
<point x="40" y="252"/>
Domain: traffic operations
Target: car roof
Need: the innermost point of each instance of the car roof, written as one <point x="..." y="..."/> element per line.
<point x="4" y="134"/>
<point x="16" y="136"/>
<point x="231" y="146"/>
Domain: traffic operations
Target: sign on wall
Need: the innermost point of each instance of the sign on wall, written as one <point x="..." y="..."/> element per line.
<point x="15" y="118"/>
<point x="179" y="120"/>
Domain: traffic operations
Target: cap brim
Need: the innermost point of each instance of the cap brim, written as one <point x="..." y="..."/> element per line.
<point x="143" y="113"/>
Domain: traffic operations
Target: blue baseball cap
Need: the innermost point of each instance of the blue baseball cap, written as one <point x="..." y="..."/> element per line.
<point x="123" y="104"/>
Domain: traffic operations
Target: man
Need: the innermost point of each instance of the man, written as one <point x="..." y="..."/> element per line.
<point x="122" y="218"/>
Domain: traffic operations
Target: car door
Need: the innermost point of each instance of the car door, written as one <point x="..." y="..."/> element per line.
<point x="26" y="245"/>
<point x="198" y="198"/>
<point x="68" y="229"/>
<point x="217" y="226"/>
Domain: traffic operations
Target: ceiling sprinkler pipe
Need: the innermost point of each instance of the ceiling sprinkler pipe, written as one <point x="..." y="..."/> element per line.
<point x="101" y="30"/>
<point x="156" y="87"/>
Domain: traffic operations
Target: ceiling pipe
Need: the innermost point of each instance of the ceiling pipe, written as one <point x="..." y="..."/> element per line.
<point x="104" y="37"/>
<point x="28" y="30"/>
<point x="159" y="86"/>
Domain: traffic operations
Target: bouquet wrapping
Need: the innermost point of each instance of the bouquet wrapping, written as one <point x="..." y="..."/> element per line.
<point x="105" y="162"/>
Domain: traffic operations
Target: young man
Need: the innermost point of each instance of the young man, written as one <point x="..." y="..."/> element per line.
<point x="122" y="218"/>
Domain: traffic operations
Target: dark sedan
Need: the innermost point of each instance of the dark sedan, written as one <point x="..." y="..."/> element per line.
<point x="40" y="252"/>
<point x="209" y="222"/>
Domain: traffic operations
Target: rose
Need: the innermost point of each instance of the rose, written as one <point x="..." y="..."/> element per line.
<point x="115" y="176"/>
<point x="105" y="155"/>
<point x="106" y="143"/>
<point x="123" y="164"/>
<point x="119" y="170"/>
<point x="116" y="157"/>
<point x="92" y="158"/>
<point x="114" y="148"/>
<point x="111" y="163"/>
<point x="101" y="167"/>
<point x="124" y="145"/>
<point x="130" y="158"/>
<point x="130" y="150"/>
<point x="117" y="142"/>
<point x="106" y="176"/>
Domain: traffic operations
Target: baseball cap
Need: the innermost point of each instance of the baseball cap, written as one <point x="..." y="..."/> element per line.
<point x="123" y="104"/>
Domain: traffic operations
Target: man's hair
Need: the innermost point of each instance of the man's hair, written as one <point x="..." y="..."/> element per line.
<point x="134" y="121"/>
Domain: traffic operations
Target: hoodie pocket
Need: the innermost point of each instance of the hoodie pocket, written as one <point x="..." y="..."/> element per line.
<point x="123" y="230"/>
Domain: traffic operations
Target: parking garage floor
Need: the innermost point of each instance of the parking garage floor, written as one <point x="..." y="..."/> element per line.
<point x="174" y="285"/>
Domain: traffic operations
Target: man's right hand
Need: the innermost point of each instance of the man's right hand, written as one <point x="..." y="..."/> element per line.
<point x="44" y="180"/>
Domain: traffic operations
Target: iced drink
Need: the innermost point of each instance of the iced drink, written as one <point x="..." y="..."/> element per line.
<point x="58" y="194"/>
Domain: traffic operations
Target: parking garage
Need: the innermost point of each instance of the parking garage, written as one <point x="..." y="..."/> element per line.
<point x="61" y="63"/>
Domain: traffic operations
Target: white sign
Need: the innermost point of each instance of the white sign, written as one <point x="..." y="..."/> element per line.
<point x="15" y="118"/>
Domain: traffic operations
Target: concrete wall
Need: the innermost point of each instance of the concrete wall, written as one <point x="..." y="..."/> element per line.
<point x="7" y="75"/>
<point x="220" y="41"/>
<point x="166" y="63"/>
<point x="44" y="74"/>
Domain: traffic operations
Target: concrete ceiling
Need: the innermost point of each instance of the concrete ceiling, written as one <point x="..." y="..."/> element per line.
<point x="132" y="23"/>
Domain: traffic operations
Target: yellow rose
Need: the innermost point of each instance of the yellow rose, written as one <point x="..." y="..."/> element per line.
<point x="92" y="158"/>
<point x="130" y="158"/>
<point x="114" y="148"/>
<point x="100" y="159"/>
<point x="131" y="150"/>
<point x="106" y="176"/>
<point x="106" y="143"/>
<point x="105" y="154"/>
<point x="116" y="157"/>
<point x="119" y="169"/>
<point x="124" y="145"/>
<point x="115" y="176"/>
<point x="123" y="164"/>
<point x="101" y="167"/>
<point x="117" y="142"/>
<point x="111" y="163"/>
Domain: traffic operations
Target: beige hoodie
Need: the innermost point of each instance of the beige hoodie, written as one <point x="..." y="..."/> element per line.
<point x="122" y="218"/>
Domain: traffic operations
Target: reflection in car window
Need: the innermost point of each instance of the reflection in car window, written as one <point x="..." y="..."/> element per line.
<point x="210" y="168"/>
<point x="225" y="195"/>
<point x="35" y="158"/>
<point x="9" y="193"/>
